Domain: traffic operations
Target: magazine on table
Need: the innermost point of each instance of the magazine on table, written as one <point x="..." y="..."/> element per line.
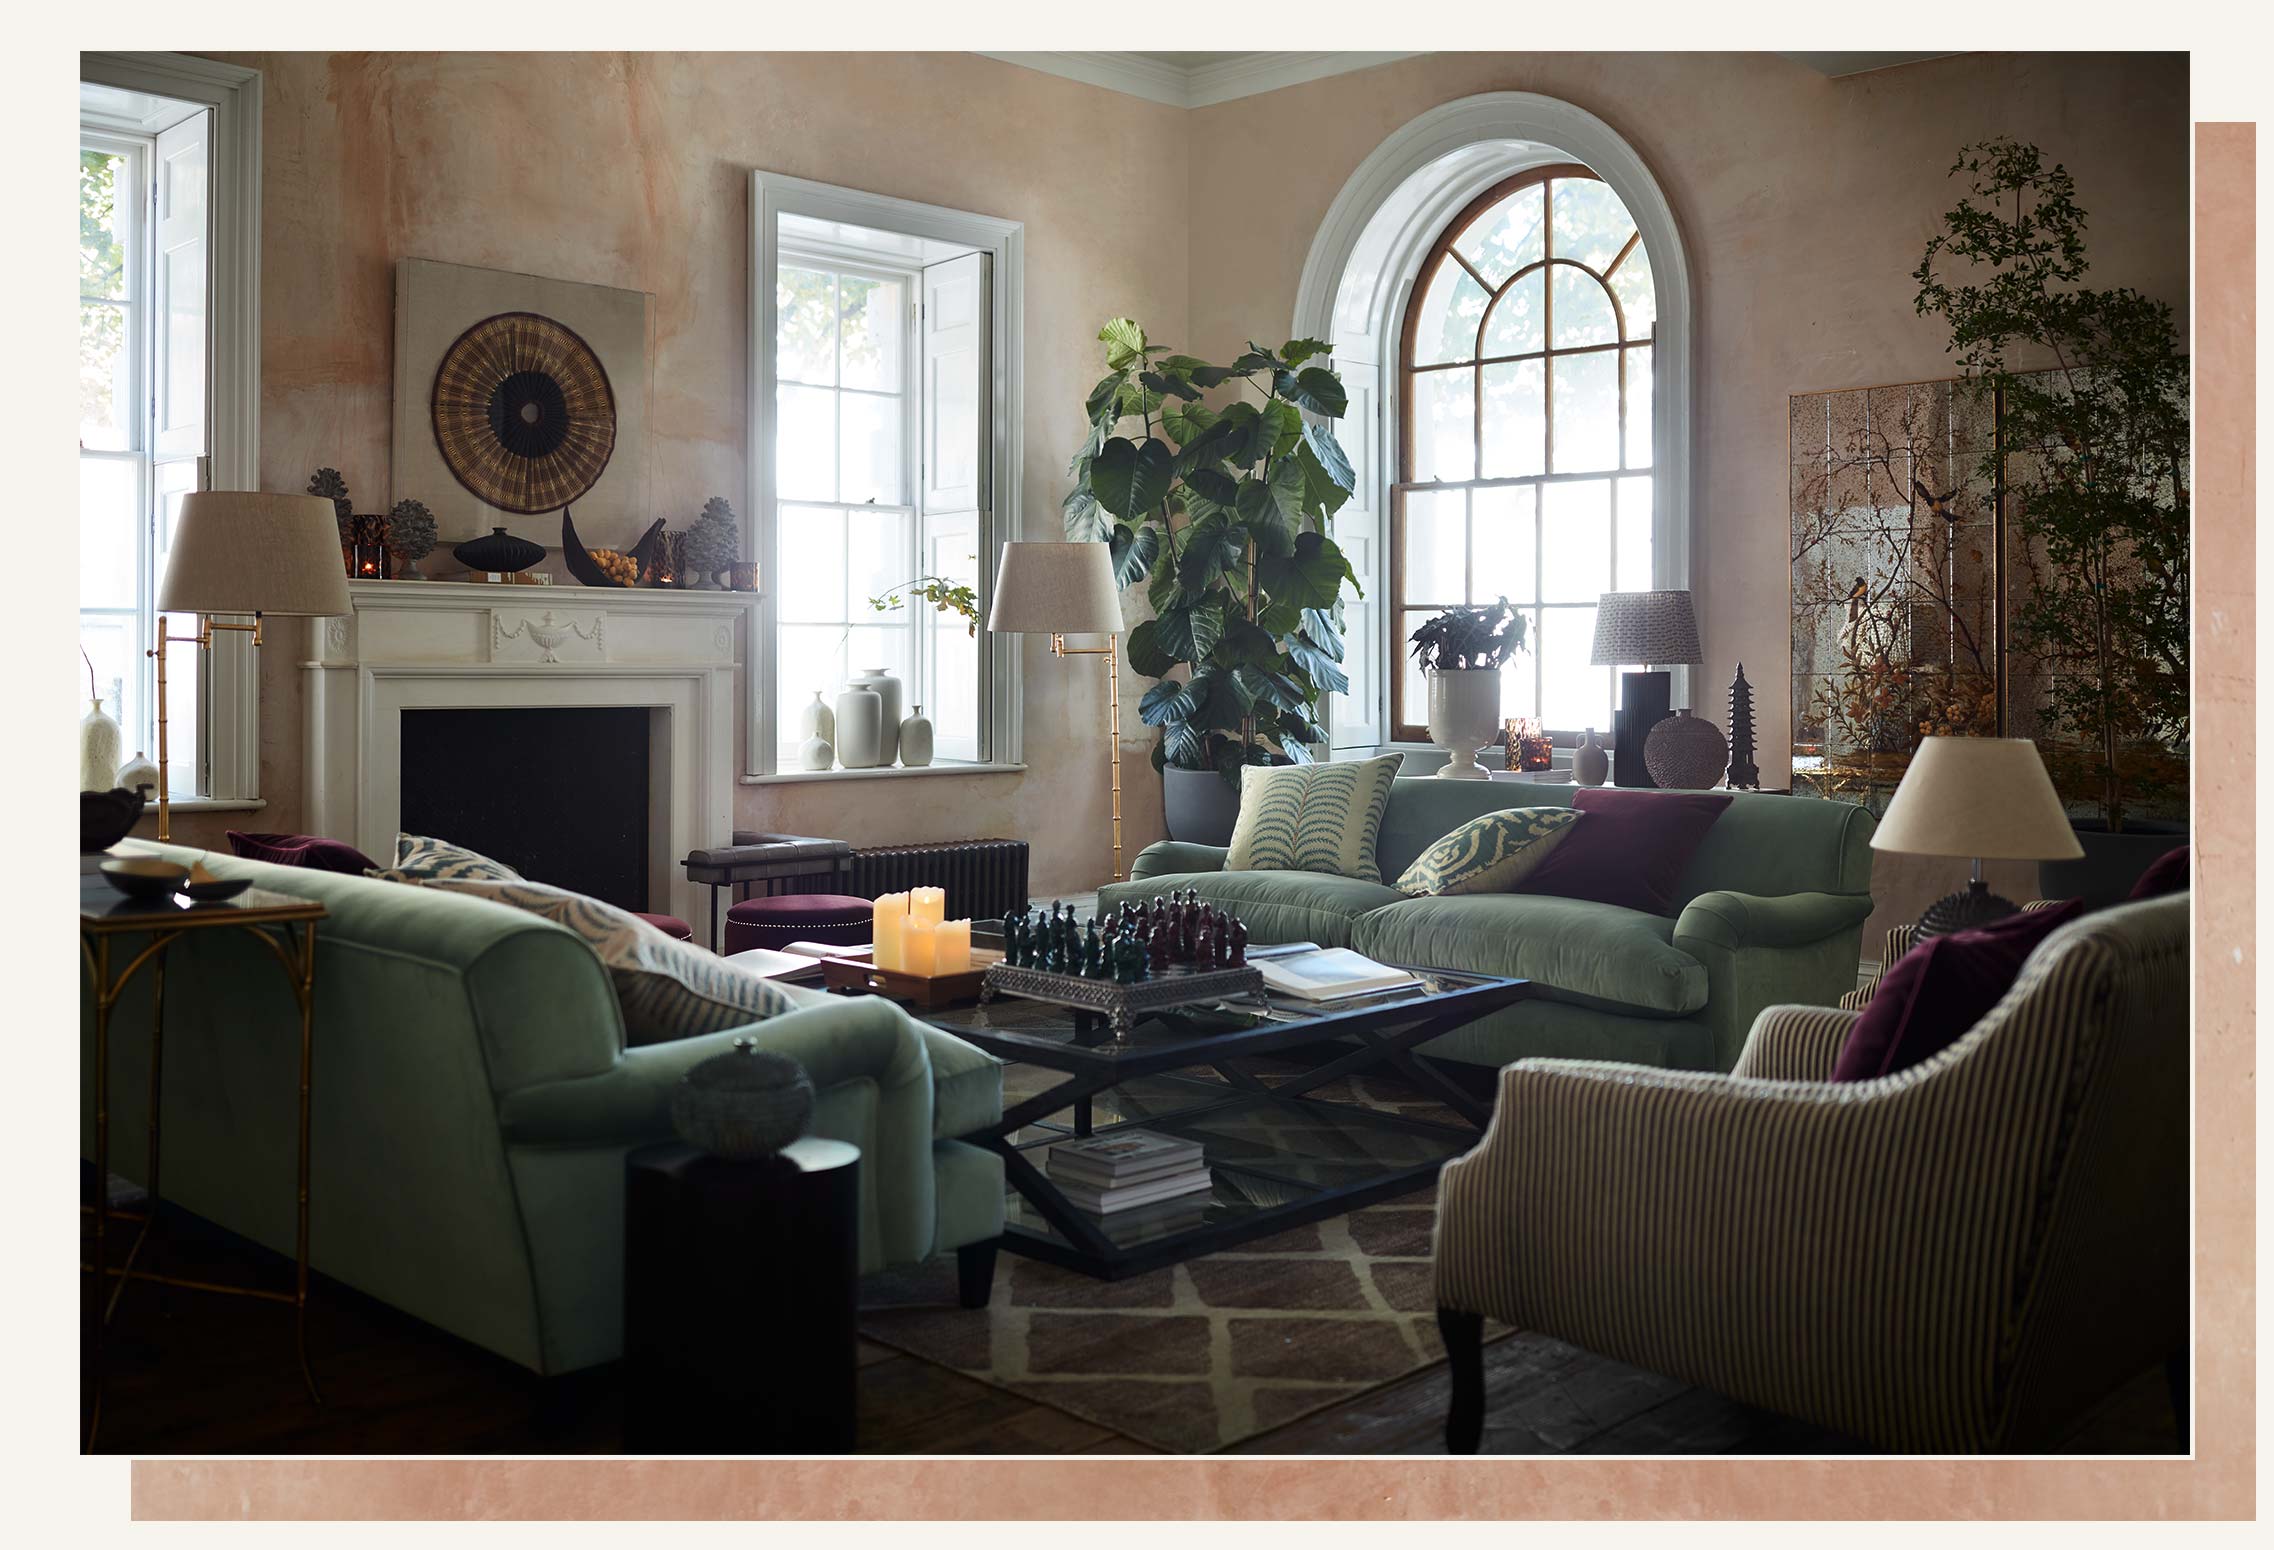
<point x="1331" y="974"/>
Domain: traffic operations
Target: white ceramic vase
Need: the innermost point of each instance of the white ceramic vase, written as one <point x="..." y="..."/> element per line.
<point x="818" y="720"/>
<point x="1464" y="712"/>
<point x="860" y="729"/>
<point x="880" y="682"/>
<point x="98" y="749"/>
<point x="916" y="740"/>
<point x="138" y="773"/>
<point x="816" y="753"/>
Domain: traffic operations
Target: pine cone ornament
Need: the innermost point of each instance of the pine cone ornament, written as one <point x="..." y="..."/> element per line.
<point x="328" y="483"/>
<point x="713" y="543"/>
<point x="411" y="534"/>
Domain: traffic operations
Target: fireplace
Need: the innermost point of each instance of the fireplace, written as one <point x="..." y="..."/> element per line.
<point x="558" y="793"/>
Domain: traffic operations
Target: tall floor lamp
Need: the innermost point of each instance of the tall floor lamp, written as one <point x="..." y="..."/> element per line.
<point x="1060" y="590"/>
<point x="242" y="552"/>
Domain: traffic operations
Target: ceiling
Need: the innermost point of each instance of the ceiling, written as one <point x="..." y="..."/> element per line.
<point x="1193" y="80"/>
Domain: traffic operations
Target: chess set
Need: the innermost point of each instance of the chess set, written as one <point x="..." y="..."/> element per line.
<point x="1174" y="951"/>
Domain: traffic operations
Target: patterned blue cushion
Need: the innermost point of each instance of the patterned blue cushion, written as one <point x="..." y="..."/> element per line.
<point x="1313" y="817"/>
<point x="1489" y="854"/>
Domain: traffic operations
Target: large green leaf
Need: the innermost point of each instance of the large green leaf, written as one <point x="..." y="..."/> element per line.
<point x="1321" y="496"/>
<point x="1085" y="520"/>
<point x="1221" y="707"/>
<point x="1314" y="388"/>
<point x="1209" y="376"/>
<point x="1171" y="700"/>
<point x="1211" y="546"/>
<point x="1246" y="642"/>
<point x="1297" y="351"/>
<point x="1186" y="422"/>
<point x="1134" y="550"/>
<point x="1287" y="489"/>
<point x="1189" y="634"/>
<point x="1256" y="359"/>
<point x="1214" y="484"/>
<point x="1162" y="385"/>
<point x="1185" y="745"/>
<point x="1207" y="625"/>
<point x="1143" y="649"/>
<point x="1286" y="424"/>
<point x="1137" y="399"/>
<point x="1320" y="626"/>
<point x="1165" y="592"/>
<point x="1312" y="576"/>
<point x="1330" y="456"/>
<point x="1128" y="479"/>
<point x="1124" y="343"/>
<point x="1224" y="435"/>
<point x="1281" y="616"/>
<point x="1324" y="670"/>
<point x="1103" y="396"/>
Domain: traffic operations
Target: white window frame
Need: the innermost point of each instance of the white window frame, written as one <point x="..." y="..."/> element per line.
<point x="772" y="196"/>
<point x="1360" y="272"/>
<point x="229" y="688"/>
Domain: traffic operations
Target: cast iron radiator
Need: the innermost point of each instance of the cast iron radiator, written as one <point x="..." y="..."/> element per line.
<point x="984" y="879"/>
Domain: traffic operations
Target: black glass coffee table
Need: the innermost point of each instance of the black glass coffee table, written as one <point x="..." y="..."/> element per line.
<point x="1243" y="1077"/>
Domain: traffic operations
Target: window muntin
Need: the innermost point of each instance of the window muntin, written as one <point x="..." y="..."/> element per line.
<point x="1524" y="467"/>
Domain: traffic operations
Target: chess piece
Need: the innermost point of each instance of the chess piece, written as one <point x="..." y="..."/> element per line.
<point x="1238" y="945"/>
<point x="1203" y="948"/>
<point x="1220" y="942"/>
<point x="1157" y="949"/>
<point x="1014" y="927"/>
<point x="1093" y="954"/>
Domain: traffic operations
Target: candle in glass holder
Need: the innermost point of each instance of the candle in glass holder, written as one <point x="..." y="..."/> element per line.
<point x="919" y="946"/>
<point x="951" y="945"/>
<point x="928" y="904"/>
<point x="890" y="922"/>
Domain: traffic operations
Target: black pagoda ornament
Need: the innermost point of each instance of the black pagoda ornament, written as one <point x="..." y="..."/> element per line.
<point x="1744" y="774"/>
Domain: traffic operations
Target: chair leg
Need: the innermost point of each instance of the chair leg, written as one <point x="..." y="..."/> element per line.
<point x="1464" y="1350"/>
<point x="2175" y="1374"/>
<point x="975" y="1273"/>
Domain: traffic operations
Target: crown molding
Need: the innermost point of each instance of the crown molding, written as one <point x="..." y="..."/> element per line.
<point x="1202" y="86"/>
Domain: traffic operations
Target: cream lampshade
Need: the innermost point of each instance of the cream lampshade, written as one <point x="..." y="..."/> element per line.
<point x="1984" y="798"/>
<point x="243" y="552"/>
<point x="1647" y="628"/>
<point x="1060" y="590"/>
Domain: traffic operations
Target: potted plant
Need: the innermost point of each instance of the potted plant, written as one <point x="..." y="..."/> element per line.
<point x="2090" y="391"/>
<point x="1222" y="515"/>
<point x="1461" y="652"/>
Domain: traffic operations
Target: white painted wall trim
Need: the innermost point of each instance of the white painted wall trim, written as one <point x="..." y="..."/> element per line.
<point x="1368" y="250"/>
<point x="1201" y="86"/>
<point x="773" y="195"/>
<point x="232" y="696"/>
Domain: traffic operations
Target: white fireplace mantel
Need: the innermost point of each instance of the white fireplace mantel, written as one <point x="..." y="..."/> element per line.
<point x="414" y="645"/>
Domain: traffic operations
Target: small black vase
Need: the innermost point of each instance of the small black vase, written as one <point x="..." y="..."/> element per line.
<point x="500" y="553"/>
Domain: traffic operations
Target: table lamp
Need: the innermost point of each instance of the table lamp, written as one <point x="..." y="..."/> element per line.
<point x="242" y="552"/>
<point x="1643" y="627"/>
<point x="1060" y="590"/>
<point x="1982" y="798"/>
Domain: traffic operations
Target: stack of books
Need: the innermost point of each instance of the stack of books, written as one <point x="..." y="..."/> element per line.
<point x="1127" y="1169"/>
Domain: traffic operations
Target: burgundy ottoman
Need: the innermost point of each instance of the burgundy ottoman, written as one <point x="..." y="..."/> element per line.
<point x="798" y="917"/>
<point x="669" y="925"/>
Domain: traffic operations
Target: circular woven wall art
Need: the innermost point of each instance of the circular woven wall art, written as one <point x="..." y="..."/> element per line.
<point x="523" y="413"/>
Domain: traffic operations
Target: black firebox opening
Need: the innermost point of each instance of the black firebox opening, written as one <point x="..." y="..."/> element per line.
<point x="560" y="794"/>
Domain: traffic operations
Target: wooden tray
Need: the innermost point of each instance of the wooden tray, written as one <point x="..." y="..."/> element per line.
<point x="856" y="974"/>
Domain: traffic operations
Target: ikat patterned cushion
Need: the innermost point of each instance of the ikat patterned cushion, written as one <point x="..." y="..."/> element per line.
<point x="1313" y="817"/>
<point x="1489" y="854"/>
<point x="418" y="858"/>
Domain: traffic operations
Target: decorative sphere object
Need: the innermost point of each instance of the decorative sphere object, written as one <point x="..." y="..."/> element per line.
<point x="744" y="1105"/>
<point x="1685" y="753"/>
<point x="816" y="753"/>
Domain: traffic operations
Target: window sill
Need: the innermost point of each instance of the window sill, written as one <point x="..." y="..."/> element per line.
<point x="896" y="772"/>
<point x="209" y="805"/>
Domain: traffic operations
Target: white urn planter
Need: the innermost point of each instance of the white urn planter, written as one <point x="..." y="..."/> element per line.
<point x="1464" y="712"/>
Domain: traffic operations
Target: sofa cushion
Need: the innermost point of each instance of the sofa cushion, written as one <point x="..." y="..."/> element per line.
<point x="1313" y="817"/>
<point x="417" y="858"/>
<point x="1491" y="854"/>
<point x="1274" y="906"/>
<point x="301" y="850"/>
<point x="1578" y="951"/>
<point x="1931" y="996"/>
<point x="667" y="989"/>
<point x="2167" y="874"/>
<point x="1631" y="851"/>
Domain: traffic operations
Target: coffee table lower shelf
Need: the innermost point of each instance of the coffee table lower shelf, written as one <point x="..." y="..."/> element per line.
<point x="1277" y="1162"/>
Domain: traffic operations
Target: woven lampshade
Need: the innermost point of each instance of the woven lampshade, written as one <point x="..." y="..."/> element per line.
<point x="1984" y="797"/>
<point x="242" y="552"/>
<point x="1056" y="589"/>
<point x="1645" y="627"/>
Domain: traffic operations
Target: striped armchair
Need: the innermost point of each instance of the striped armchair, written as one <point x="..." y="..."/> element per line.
<point x="1960" y="1257"/>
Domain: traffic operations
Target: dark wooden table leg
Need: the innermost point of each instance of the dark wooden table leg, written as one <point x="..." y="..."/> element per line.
<point x="1464" y="1352"/>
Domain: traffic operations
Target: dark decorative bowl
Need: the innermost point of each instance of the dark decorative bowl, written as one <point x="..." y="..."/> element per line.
<point x="215" y="889"/>
<point x="500" y="552"/>
<point x="744" y="1105"/>
<point x="106" y="817"/>
<point x="147" y="879"/>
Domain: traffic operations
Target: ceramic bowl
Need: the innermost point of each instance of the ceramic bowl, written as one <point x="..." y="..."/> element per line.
<point x="106" y="817"/>
<point x="214" y="889"/>
<point x="147" y="878"/>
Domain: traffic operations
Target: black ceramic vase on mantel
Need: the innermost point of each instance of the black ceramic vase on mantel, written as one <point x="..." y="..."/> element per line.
<point x="499" y="553"/>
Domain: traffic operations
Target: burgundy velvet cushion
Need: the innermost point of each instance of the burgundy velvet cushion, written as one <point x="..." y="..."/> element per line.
<point x="1935" y="993"/>
<point x="308" y="850"/>
<point x="669" y="925"/>
<point x="798" y="917"/>
<point x="1631" y="848"/>
<point x="2168" y="875"/>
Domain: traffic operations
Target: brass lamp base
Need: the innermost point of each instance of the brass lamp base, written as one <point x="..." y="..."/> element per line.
<point x="1109" y="651"/>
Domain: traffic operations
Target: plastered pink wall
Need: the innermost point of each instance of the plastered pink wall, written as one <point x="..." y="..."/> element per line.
<point x="1804" y="203"/>
<point x="632" y="170"/>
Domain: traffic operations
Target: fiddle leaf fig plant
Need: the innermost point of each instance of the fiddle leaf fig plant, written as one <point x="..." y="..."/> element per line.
<point x="1222" y="513"/>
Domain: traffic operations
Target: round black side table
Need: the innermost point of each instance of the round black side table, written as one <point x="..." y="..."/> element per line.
<point x="740" y="1287"/>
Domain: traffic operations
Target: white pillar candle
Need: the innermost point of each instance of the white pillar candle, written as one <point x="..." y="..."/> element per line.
<point x="952" y="947"/>
<point x="919" y="947"/>
<point x="928" y="904"/>
<point x="889" y="922"/>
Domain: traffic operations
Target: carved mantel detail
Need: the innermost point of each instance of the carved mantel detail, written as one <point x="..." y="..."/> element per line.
<point x="546" y="633"/>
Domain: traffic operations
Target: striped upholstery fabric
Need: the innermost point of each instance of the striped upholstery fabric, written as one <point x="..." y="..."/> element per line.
<point x="1959" y="1257"/>
<point x="1900" y="940"/>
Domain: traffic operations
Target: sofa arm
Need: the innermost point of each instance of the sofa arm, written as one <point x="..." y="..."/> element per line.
<point x="1164" y="857"/>
<point x="1759" y="951"/>
<point x="1795" y="1044"/>
<point x="1739" y="1235"/>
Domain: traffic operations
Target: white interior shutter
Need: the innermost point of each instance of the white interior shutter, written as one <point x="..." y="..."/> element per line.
<point x="1358" y="721"/>
<point x="183" y="178"/>
<point x="956" y="437"/>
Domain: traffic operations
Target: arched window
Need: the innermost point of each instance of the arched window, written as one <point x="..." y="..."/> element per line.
<point x="1524" y="463"/>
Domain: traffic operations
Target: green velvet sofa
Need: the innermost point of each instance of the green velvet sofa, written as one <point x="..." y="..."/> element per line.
<point x="474" y="1101"/>
<point x="1770" y="909"/>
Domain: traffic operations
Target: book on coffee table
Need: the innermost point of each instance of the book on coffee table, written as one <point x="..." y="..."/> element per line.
<point x="1331" y="974"/>
<point x="1127" y="1168"/>
<point x="1107" y="1201"/>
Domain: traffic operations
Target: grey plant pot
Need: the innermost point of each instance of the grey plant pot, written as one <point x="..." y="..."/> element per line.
<point x="2111" y="863"/>
<point x="1201" y="806"/>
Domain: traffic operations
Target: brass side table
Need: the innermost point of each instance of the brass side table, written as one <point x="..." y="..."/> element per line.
<point x="286" y="926"/>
